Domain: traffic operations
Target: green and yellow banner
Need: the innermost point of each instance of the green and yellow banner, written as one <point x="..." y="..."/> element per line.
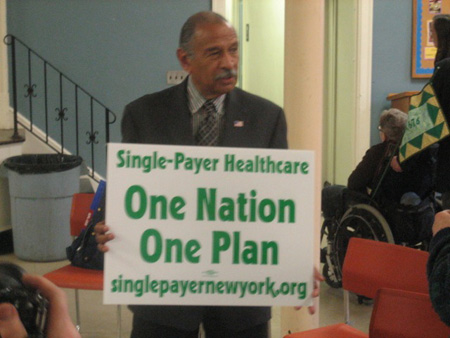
<point x="426" y="124"/>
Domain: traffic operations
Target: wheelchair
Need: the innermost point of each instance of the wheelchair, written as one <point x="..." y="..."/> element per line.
<point x="351" y="214"/>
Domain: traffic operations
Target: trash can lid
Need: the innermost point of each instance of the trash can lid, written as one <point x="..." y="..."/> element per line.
<point x="42" y="163"/>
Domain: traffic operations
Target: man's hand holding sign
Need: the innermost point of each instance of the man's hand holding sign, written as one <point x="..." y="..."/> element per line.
<point x="213" y="235"/>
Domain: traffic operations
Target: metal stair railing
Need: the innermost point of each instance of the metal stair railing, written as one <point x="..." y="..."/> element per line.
<point x="47" y="88"/>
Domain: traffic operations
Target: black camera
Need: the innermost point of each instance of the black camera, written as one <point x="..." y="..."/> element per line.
<point x="30" y="304"/>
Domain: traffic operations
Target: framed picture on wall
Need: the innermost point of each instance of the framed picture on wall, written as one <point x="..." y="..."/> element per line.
<point x="423" y="49"/>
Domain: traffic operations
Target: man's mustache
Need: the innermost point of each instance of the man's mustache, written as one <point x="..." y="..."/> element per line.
<point x="226" y="73"/>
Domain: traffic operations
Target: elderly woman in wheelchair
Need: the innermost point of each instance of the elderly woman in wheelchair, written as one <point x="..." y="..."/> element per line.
<point x="379" y="203"/>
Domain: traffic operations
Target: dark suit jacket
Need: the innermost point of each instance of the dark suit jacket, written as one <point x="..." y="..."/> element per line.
<point x="164" y="118"/>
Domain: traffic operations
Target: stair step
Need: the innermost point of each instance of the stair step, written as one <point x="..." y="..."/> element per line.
<point x="7" y="136"/>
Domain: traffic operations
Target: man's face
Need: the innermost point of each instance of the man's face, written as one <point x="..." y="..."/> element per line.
<point x="214" y="63"/>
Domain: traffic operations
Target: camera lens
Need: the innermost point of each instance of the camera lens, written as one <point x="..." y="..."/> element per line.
<point x="30" y="305"/>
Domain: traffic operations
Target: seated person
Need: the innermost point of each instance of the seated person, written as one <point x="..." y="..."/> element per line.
<point x="392" y="190"/>
<point x="408" y="186"/>
<point x="369" y="171"/>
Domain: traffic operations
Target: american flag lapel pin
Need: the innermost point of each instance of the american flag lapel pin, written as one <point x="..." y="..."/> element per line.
<point x="238" y="124"/>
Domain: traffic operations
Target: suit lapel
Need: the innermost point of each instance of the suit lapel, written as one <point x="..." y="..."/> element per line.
<point x="235" y="123"/>
<point x="179" y="116"/>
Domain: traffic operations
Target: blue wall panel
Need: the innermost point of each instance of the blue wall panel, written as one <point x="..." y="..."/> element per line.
<point x="391" y="61"/>
<point x="116" y="50"/>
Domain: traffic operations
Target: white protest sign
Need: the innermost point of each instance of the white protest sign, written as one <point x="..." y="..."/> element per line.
<point x="209" y="226"/>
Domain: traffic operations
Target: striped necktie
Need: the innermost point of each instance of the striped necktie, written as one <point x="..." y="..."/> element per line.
<point x="208" y="130"/>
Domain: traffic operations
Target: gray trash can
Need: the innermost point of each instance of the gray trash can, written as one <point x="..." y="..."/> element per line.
<point x="41" y="187"/>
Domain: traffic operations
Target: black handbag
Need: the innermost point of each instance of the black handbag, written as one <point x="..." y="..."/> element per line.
<point x="83" y="252"/>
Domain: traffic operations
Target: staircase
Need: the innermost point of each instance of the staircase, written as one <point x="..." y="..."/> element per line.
<point x="52" y="114"/>
<point x="55" y="110"/>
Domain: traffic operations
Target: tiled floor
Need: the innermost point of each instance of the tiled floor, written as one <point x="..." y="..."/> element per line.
<point x="100" y="321"/>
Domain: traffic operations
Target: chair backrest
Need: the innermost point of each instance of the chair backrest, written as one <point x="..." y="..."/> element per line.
<point x="81" y="204"/>
<point x="399" y="313"/>
<point x="371" y="265"/>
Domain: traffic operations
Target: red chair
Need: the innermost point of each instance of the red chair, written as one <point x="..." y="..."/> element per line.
<point x="72" y="277"/>
<point x="399" y="313"/>
<point x="373" y="265"/>
<point x="369" y="266"/>
<point x="340" y="330"/>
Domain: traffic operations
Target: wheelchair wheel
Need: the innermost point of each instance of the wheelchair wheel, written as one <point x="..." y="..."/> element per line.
<point x="326" y="253"/>
<point x="363" y="221"/>
<point x="328" y="272"/>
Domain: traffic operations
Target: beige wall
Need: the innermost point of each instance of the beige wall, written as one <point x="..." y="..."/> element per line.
<point x="341" y="90"/>
<point x="303" y="103"/>
<point x="6" y="120"/>
<point x="348" y="67"/>
<point x="263" y="52"/>
<point x="303" y="86"/>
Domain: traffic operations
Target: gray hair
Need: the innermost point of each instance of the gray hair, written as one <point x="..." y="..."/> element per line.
<point x="189" y="28"/>
<point x="393" y="123"/>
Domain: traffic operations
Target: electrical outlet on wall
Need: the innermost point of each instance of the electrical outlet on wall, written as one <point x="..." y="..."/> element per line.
<point x="176" y="76"/>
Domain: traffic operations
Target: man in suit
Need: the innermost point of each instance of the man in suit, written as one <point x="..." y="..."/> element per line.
<point x="206" y="109"/>
<point x="209" y="53"/>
